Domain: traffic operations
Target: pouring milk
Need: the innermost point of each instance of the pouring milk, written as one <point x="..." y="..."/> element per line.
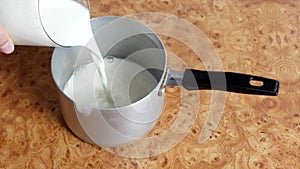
<point x="52" y="23"/>
<point x="78" y="30"/>
<point x="118" y="76"/>
<point x="67" y="23"/>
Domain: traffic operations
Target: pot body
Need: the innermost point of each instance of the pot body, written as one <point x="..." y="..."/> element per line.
<point x="121" y="38"/>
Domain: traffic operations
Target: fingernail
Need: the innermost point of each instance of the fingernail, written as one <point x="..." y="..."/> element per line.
<point x="7" y="48"/>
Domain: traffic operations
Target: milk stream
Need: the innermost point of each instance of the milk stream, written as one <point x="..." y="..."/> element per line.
<point x="54" y="23"/>
<point x="70" y="15"/>
<point x="128" y="82"/>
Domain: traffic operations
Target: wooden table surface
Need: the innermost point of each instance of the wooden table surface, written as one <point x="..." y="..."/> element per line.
<point x="259" y="37"/>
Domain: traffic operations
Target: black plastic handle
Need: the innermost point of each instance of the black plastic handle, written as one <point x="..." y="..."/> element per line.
<point x="229" y="81"/>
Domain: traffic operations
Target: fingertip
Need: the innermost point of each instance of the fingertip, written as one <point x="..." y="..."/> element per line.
<point x="7" y="48"/>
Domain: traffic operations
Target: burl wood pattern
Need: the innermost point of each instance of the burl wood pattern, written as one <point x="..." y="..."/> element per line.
<point x="250" y="36"/>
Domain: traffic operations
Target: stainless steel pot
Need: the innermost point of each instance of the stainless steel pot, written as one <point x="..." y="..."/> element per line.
<point x="126" y="38"/>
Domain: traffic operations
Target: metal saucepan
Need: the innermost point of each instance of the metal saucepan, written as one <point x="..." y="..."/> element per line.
<point x="126" y="38"/>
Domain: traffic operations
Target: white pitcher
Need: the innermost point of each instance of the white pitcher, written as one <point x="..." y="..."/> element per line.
<point x="46" y="22"/>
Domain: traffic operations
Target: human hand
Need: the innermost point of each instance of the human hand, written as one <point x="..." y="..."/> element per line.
<point x="6" y="45"/>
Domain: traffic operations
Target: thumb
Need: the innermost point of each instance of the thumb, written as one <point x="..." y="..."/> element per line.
<point x="6" y="45"/>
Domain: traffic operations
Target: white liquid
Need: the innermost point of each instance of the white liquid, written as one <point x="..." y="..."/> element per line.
<point x="128" y="82"/>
